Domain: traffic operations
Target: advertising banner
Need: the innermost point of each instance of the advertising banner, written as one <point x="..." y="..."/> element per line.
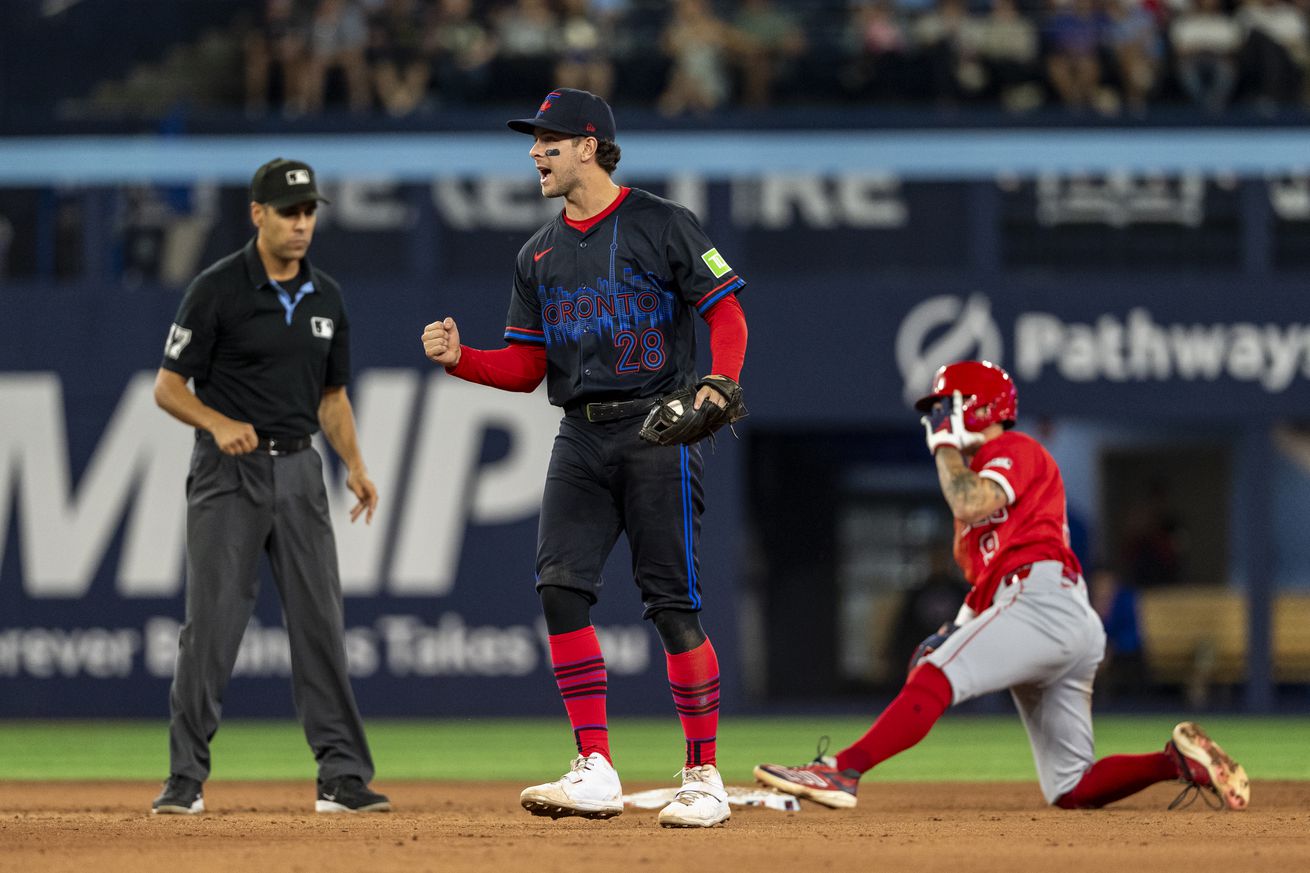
<point x="441" y="613"/>
<point x="860" y="285"/>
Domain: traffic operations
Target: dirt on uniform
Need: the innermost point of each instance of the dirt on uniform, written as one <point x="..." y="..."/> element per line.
<point x="254" y="827"/>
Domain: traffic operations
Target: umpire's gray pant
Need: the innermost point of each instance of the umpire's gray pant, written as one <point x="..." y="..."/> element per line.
<point x="238" y="507"/>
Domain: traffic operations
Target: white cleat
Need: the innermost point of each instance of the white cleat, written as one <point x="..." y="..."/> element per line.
<point x="701" y="803"/>
<point x="1207" y="770"/>
<point x="590" y="789"/>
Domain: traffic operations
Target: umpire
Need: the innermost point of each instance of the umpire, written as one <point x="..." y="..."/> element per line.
<point x="264" y="336"/>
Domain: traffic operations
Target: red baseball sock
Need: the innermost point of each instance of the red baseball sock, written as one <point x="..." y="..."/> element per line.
<point x="1118" y="776"/>
<point x="905" y="721"/>
<point x="694" y="679"/>
<point x="580" y="675"/>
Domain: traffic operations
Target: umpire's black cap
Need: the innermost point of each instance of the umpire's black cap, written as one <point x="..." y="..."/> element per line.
<point x="281" y="183"/>
<point x="568" y="110"/>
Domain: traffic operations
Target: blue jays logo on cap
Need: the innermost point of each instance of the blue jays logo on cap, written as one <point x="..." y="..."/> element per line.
<point x="568" y="110"/>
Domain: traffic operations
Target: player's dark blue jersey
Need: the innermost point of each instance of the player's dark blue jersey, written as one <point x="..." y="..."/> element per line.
<point x="613" y="306"/>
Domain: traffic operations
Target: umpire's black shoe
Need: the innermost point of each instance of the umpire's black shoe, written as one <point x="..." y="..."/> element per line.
<point x="349" y="794"/>
<point x="181" y="796"/>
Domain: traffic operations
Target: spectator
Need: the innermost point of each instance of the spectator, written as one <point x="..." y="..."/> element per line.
<point x="938" y="36"/>
<point x="338" y="37"/>
<point x="463" y="50"/>
<point x="275" y="49"/>
<point x="1004" y="45"/>
<point x="528" y="33"/>
<point x="1205" y="42"/>
<point x="695" y="43"/>
<point x="876" y="44"/>
<point x="584" y="61"/>
<point x="770" y="41"/>
<point x="528" y="29"/>
<point x="608" y="12"/>
<point x="397" y="62"/>
<point x="1274" y="53"/>
<point x="1073" y="65"/>
<point x="1133" y="37"/>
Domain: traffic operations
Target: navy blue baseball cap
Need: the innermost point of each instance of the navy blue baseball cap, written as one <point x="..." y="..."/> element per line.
<point x="568" y="110"/>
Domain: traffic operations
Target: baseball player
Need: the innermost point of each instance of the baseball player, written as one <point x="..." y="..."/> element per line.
<point x="1025" y="625"/>
<point x="265" y="339"/>
<point x="601" y="307"/>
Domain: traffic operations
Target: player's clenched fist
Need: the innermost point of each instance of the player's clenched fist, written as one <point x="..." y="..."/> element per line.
<point x="441" y="342"/>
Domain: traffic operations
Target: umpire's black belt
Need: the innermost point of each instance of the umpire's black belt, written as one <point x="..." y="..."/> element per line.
<point x="272" y="445"/>
<point x="610" y="411"/>
<point x="284" y="445"/>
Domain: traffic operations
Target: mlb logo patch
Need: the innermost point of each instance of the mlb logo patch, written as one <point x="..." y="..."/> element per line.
<point x="322" y="327"/>
<point x="1003" y="463"/>
<point x="297" y="177"/>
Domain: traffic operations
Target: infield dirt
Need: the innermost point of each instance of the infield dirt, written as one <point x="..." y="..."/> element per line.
<point x="253" y="827"/>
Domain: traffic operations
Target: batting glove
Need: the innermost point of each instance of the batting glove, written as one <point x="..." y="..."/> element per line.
<point x="944" y="426"/>
<point x="932" y="643"/>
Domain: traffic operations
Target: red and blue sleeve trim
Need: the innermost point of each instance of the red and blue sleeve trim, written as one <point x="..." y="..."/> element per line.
<point x="524" y="335"/>
<point x="705" y="303"/>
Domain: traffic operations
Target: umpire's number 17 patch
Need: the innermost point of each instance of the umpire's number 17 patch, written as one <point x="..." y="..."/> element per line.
<point x="718" y="266"/>
<point x="178" y="338"/>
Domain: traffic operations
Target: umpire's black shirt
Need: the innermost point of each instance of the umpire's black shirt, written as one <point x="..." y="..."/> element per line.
<point x="261" y="351"/>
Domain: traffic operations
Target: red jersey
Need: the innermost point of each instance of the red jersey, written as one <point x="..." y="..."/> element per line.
<point x="1032" y="526"/>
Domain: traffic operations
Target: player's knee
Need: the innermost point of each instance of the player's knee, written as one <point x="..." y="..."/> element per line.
<point x="1066" y="801"/>
<point x="1075" y="799"/>
<point x="930" y="679"/>
<point x="680" y="631"/>
<point x="1082" y="795"/>
<point x="566" y="609"/>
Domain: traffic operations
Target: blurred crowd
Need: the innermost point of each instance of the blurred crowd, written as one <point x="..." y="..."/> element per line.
<point x="1105" y="57"/>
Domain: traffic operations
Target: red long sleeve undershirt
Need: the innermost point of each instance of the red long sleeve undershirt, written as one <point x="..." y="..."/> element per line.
<point x="727" y="324"/>
<point x="521" y="367"/>
<point x="517" y="367"/>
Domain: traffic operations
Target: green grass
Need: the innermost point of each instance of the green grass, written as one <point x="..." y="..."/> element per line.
<point x="959" y="748"/>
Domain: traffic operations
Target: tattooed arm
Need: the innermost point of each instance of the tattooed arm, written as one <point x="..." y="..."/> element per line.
<point x="971" y="497"/>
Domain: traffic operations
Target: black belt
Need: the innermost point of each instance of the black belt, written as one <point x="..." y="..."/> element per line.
<point x="271" y="445"/>
<point x="284" y="445"/>
<point x="611" y="411"/>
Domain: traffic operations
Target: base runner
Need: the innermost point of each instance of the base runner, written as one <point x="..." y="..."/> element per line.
<point x="1025" y="625"/>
